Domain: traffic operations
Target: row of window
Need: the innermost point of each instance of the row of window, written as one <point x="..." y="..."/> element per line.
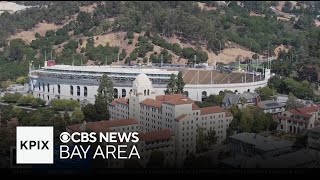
<point x="59" y="89"/>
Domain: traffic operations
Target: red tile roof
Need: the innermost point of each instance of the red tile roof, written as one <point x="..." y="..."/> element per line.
<point x="299" y="113"/>
<point x="211" y="110"/>
<point x="169" y="97"/>
<point x="155" y="135"/>
<point x="103" y="126"/>
<point x="307" y="110"/>
<point x="178" y="101"/>
<point x="181" y="117"/>
<point x="152" y="102"/>
<point x="123" y="101"/>
<point x="195" y="107"/>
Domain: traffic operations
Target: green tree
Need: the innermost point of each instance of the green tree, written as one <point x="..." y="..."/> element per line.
<point x="211" y="138"/>
<point x="172" y="85"/>
<point x="64" y="104"/>
<point x="265" y="93"/>
<point x="37" y="102"/>
<point x="293" y="102"/>
<point x="11" y="98"/>
<point x="77" y="115"/>
<point x="180" y="83"/>
<point x="105" y="90"/>
<point x="201" y="142"/>
<point x="25" y="100"/>
<point x="21" y="80"/>
<point x="89" y="112"/>
<point x="102" y="111"/>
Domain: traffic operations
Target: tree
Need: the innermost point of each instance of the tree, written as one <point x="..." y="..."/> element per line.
<point x="293" y="102"/>
<point x="105" y="90"/>
<point x="180" y="83"/>
<point x="25" y="100"/>
<point x="77" y="115"/>
<point x="265" y="93"/>
<point x="253" y="119"/>
<point x="37" y="102"/>
<point x="11" y="98"/>
<point x="211" y="138"/>
<point x="205" y="140"/>
<point x="21" y="80"/>
<point x="89" y="112"/>
<point x="102" y="111"/>
<point x="172" y="85"/>
<point x="103" y="98"/>
<point x="64" y="104"/>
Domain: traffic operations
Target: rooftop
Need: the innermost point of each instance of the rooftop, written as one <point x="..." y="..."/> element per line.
<point x="101" y="126"/>
<point x="269" y="104"/>
<point x="234" y="98"/>
<point x="123" y="101"/>
<point x="152" y="102"/>
<point x="211" y="110"/>
<point x="263" y="143"/>
<point x="155" y="135"/>
<point x="115" y="69"/>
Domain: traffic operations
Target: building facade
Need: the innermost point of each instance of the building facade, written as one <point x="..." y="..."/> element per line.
<point x="240" y="100"/>
<point x="272" y="107"/>
<point x="176" y="112"/>
<point x="297" y="120"/>
<point x="81" y="82"/>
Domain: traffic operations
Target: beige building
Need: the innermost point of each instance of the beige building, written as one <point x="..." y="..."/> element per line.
<point x="297" y="120"/>
<point x="175" y="112"/>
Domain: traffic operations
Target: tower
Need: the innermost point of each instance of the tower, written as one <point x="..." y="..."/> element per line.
<point x="141" y="89"/>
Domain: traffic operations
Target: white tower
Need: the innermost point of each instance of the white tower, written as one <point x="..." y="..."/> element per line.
<point x="141" y="89"/>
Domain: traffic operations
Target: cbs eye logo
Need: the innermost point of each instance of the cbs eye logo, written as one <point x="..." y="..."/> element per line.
<point x="34" y="145"/>
<point x="64" y="137"/>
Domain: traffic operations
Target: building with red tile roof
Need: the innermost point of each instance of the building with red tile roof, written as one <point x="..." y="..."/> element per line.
<point x="157" y="115"/>
<point x="298" y="120"/>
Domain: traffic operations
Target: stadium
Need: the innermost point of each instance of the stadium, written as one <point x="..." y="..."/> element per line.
<point x="81" y="82"/>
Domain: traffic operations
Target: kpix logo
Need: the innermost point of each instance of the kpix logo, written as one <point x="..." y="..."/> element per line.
<point x="34" y="145"/>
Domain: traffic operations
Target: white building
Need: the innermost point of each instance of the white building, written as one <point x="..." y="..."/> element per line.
<point x="82" y="82"/>
<point x="176" y="112"/>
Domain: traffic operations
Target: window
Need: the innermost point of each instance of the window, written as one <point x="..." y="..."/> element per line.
<point x="71" y="90"/>
<point x="43" y="87"/>
<point x="85" y="91"/>
<point x="59" y="91"/>
<point x="145" y="92"/>
<point x="148" y="91"/>
<point x="48" y="87"/>
<point x="39" y="86"/>
<point x="124" y="92"/>
<point x="78" y="90"/>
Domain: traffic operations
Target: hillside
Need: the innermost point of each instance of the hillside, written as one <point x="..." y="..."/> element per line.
<point x="142" y="32"/>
